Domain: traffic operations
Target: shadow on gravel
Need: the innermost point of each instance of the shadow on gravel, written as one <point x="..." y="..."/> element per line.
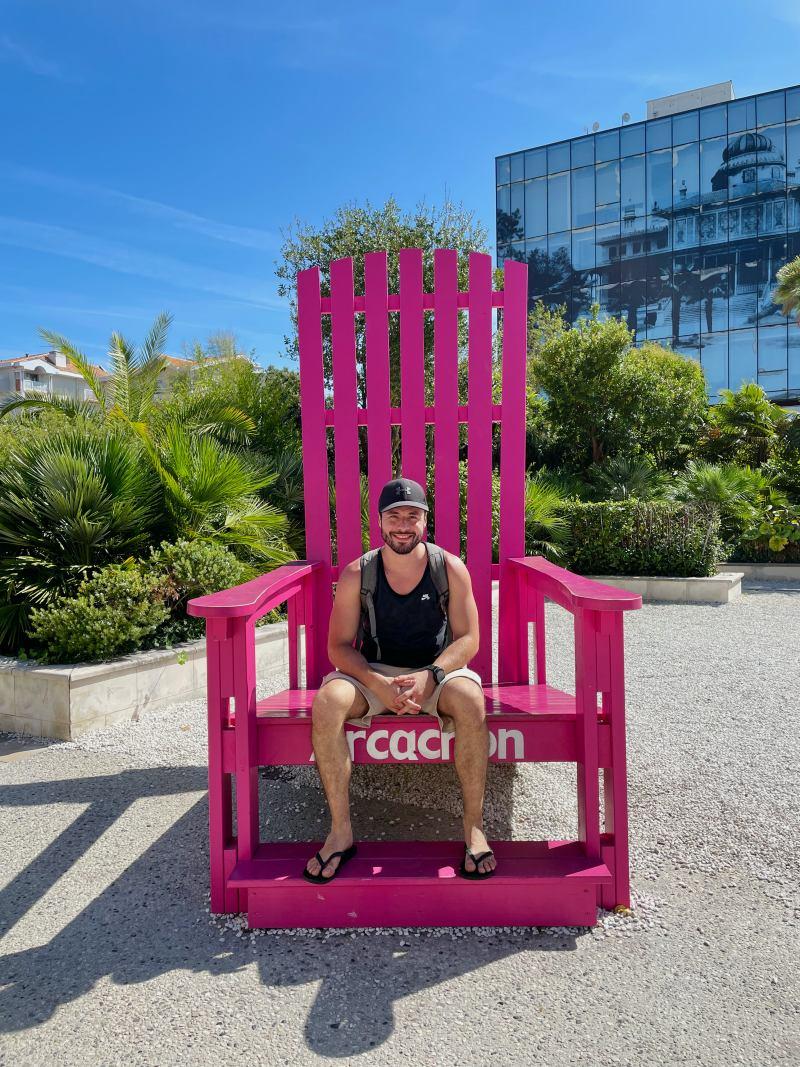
<point x="152" y="921"/>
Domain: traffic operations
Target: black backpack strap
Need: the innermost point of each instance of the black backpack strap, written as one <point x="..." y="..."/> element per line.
<point x="439" y="575"/>
<point x="369" y="583"/>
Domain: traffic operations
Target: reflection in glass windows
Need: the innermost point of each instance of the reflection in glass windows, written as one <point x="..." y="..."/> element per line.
<point x="558" y="213"/>
<point x="742" y="358"/>
<point x="772" y="356"/>
<point x="659" y="180"/>
<point x="583" y="196"/>
<point x="536" y="207"/>
<point x="558" y="157"/>
<point x="685" y="127"/>
<point x="714" y="361"/>
<point x="681" y="238"/>
<point x="632" y="140"/>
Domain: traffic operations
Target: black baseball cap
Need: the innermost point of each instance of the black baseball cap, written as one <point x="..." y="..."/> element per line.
<point x="402" y="492"/>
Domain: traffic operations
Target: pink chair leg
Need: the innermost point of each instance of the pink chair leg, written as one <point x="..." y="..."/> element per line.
<point x="222" y="844"/>
<point x="615" y="839"/>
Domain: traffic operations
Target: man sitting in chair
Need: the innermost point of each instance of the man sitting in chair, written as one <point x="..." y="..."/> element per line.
<point x="414" y="646"/>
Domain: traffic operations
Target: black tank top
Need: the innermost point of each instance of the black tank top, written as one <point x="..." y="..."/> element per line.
<point x="411" y="627"/>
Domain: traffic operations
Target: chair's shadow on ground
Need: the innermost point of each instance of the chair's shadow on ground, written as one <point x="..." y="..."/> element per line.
<point x="152" y="920"/>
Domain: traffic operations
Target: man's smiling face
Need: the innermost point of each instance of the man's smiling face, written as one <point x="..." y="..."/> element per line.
<point x="402" y="528"/>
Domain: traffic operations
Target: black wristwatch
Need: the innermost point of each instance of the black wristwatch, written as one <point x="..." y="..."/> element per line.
<point x="438" y="674"/>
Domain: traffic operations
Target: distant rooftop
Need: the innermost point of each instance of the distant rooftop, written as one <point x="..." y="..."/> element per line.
<point x="720" y="93"/>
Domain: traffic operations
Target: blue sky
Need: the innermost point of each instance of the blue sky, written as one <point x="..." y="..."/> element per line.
<point x="152" y="153"/>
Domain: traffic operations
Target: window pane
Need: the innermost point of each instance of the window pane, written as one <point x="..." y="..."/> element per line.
<point x="714" y="287"/>
<point x="714" y="121"/>
<point x="658" y="318"/>
<point x="793" y="154"/>
<point x="741" y="115"/>
<point x="793" y="103"/>
<point x="536" y="207"/>
<point x="583" y="246"/>
<point x="687" y="295"/>
<point x="632" y="140"/>
<point x="685" y="228"/>
<point x="659" y="233"/>
<point x="685" y="175"/>
<point x="558" y="252"/>
<point x="607" y="183"/>
<point x="536" y="163"/>
<point x="503" y="170"/>
<point x="742" y="357"/>
<point x="517" y="167"/>
<point x="743" y="303"/>
<point x="583" y="152"/>
<point x="772" y="342"/>
<point x="714" y="361"/>
<point x="771" y="174"/>
<point x="772" y="254"/>
<point x="684" y="127"/>
<point x="583" y="196"/>
<point x="770" y="108"/>
<point x="632" y="186"/>
<point x="558" y="157"/>
<point x="606" y="146"/>
<point x="517" y="211"/>
<point x="659" y="180"/>
<point x="558" y="214"/>
<point x="713" y="178"/>
<point x="794" y="358"/>
<point x="538" y="275"/>
<point x="505" y="223"/>
<point x="659" y="134"/>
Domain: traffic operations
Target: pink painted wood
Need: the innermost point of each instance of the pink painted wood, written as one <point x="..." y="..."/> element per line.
<point x="445" y="442"/>
<point x="379" y="431"/>
<point x="539" y="882"/>
<point x="412" y="366"/>
<point x="479" y="453"/>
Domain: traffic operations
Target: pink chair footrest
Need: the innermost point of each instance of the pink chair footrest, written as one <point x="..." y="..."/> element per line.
<point x="398" y="883"/>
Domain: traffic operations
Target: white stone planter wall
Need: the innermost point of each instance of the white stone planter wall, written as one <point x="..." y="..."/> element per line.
<point x="64" y="702"/>
<point x="772" y="572"/>
<point x="718" y="589"/>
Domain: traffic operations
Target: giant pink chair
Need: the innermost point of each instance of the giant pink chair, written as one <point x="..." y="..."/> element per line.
<point x="412" y="883"/>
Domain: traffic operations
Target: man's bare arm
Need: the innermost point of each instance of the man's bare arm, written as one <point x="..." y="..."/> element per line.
<point x="343" y="628"/>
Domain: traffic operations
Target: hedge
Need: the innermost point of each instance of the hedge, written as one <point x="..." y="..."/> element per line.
<point x="658" y="538"/>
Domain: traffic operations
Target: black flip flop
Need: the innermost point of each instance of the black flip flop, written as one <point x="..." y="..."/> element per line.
<point x="318" y="879"/>
<point x="476" y="874"/>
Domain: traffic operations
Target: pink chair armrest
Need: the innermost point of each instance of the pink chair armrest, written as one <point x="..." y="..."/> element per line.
<point x="572" y="590"/>
<point x="249" y="598"/>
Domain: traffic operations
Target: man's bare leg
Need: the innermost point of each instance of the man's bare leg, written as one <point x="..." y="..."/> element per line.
<point x="335" y="703"/>
<point x="462" y="700"/>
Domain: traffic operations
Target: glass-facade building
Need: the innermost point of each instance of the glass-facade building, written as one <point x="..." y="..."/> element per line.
<point x="678" y="225"/>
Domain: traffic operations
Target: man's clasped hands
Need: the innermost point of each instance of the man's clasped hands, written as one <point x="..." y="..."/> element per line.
<point x="406" y="693"/>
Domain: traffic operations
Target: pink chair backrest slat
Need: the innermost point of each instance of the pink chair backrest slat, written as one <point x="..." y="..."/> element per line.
<point x="479" y="453"/>
<point x="312" y="413"/>
<point x="445" y="439"/>
<point x="379" y="430"/>
<point x="345" y="414"/>
<point x="512" y="624"/>
<point x="412" y="366"/>
<point x="445" y="302"/>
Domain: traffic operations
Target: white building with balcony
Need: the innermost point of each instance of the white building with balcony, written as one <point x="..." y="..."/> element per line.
<point x="45" y="373"/>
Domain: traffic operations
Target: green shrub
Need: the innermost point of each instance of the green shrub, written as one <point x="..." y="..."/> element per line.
<point x="112" y="613"/>
<point x="188" y="569"/>
<point x="649" y="538"/>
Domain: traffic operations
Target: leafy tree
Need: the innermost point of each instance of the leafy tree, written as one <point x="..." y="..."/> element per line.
<point x="604" y="396"/>
<point x="355" y="230"/>
<point x="748" y="422"/>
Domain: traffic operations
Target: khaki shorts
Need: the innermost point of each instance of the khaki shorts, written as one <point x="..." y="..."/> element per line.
<point x="429" y="707"/>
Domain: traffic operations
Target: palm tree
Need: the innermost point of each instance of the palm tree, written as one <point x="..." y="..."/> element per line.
<point x="69" y="504"/>
<point x="547" y="531"/>
<point x="627" y="478"/>
<point x="787" y="293"/>
<point x="734" y="490"/>
<point x="128" y="394"/>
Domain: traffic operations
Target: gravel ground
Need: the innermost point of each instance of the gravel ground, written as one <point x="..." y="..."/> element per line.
<point x="110" y="955"/>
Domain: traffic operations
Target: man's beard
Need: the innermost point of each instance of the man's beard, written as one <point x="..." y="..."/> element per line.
<point x="404" y="547"/>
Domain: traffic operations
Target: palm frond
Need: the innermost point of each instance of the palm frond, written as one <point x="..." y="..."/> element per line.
<point x="64" y="404"/>
<point x="75" y="356"/>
